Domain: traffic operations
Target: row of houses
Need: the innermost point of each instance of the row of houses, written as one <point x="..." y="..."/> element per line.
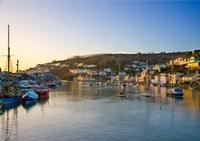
<point x="188" y="63"/>
<point x="91" y="72"/>
<point x="168" y="78"/>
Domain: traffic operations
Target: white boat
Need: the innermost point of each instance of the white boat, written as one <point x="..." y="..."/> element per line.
<point x="146" y="94"/>
<point x="121" y="92"/>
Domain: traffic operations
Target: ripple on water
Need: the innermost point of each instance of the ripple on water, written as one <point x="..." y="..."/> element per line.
<point x="81" y="114"/>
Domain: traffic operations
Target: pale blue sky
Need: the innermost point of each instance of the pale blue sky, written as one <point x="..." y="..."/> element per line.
<point x="43" y="30"/>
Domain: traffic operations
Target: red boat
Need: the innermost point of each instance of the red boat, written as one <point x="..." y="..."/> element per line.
<point x="42" y="92"/>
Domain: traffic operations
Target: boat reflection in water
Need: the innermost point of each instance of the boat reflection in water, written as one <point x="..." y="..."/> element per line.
<point x="28" y="107"/>
<point x="9" y="122"/>
<point x="85" y="113"/>
<point x="40" y="103"/>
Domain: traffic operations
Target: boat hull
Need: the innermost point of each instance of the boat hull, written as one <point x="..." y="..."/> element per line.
<point x="10" y="102"/>
<point x="177" y="94"/>
<point x="43" y="94"/>
<point x="146" y="94"/>
<point x="29" y="98"/>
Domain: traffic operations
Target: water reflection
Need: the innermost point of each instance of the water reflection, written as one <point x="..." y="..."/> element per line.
<point x="79" y="112"/>
<point x="81" y="91"/>
<point x="28" y="107"/>
<point x="9" y="125"/>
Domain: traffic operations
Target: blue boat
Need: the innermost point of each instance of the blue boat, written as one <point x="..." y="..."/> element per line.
<point x="176" y="92"/>
<point x="29" y="97"/>
<point x="11" y="102"/>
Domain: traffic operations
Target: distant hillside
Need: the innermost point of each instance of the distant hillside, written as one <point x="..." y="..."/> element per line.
<point x="113" y="60"/>
<point x="109" y="60"/>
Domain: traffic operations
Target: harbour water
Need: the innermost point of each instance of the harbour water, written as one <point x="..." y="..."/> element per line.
<point x="77" y="112"/>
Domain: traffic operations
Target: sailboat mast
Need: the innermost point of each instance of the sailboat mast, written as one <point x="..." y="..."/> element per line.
<point x="8" y="49"/>
<point x="147" y="79"/>
<point x="119" y="64"/>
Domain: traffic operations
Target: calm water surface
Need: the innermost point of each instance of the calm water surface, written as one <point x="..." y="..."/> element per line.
<point x="78" y="112"/>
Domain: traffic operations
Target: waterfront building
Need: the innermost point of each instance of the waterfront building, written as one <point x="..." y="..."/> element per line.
<point x="155" y="80"/>
<point x="80" y="65"/>
<point x="129" y="78"/>
<point x="159" y="67"/>
<point x="189" y="78"/>
<point x="78" y="71"/>
<point x="163" y="79"/>
<point x="141" y="77"/>
<point x="85" y="78"/>
<point x="174" y="78"/>
<point x="102" y="73"/>
<point x="108" y="70"/>
<point x="193" y="63"/>
<point x="138" y="65"/>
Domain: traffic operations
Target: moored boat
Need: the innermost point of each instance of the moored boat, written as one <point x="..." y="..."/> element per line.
<point x="121" y="92"/>
<point x="29" y="97"/>
<point x="41" y="91"/>
<point x="176" y="91"/>
<point x="146" y="94"/>
<point x="10" y="102"/>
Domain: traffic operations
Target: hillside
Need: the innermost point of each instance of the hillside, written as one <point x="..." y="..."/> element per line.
<point x="107" y="60"/>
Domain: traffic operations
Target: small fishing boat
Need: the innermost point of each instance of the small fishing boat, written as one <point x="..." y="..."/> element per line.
<point x="29" y="97"/>
<point x="41" y="91"/>
<point x="176" y="91"/>
<point x="146" y="94"/>
<point x="121" y="92"/>
<point x="10" y="96"/>
<point x="10" y="93"/>
<point x="10" y="102"/>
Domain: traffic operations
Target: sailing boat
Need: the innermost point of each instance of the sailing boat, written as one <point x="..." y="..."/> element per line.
<point x="100" y="79"/>
<point x="146" y="93"/>
<point x="11" y="94"/>
<point x="175" y="91"/>
<point x="121" y="92"/>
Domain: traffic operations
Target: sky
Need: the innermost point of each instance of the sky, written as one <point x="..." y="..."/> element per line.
<point x="46" y="30"/>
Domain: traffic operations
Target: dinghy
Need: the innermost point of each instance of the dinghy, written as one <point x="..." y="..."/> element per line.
<point x="29" y="97"/>
<point x="176" y="92"/>
<point x="10" y="102"/>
